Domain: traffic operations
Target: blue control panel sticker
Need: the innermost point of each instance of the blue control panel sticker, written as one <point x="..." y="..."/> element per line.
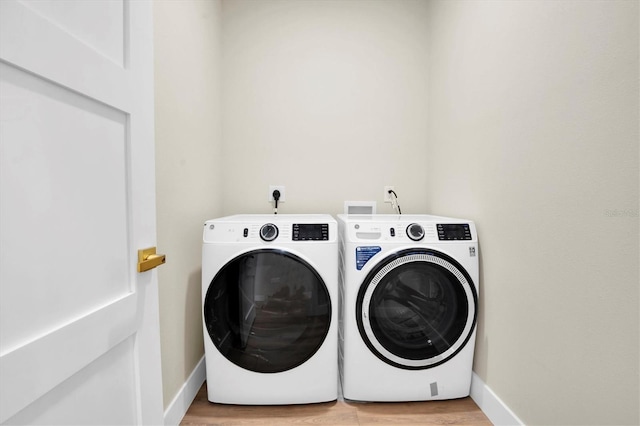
<point x="363" y="254"/>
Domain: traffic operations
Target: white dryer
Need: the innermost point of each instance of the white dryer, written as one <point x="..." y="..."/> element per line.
<point x="409" y="302"/>
<point x="269" y="291"/>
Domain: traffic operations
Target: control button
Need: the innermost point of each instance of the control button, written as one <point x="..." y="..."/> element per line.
<point x="415" y="232"/>
<point x="269" y="232"/>
<point x="392" y="232"/>
<point x="245" y="233"/>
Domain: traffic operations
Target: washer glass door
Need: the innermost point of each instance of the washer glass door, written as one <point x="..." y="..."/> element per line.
<point x="267" y="311"/>
<point x="416" y="309"/>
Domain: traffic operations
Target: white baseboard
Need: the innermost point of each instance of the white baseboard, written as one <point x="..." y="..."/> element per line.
<point x="182" y="401"/>
<point x="492" y="406"/>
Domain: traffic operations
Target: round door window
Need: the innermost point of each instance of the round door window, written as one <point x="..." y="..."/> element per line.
<point x="417" y="309"/>
<point x="267" y="311"/>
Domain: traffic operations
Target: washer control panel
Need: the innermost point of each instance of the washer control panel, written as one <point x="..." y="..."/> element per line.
<point x="457" y="231"/>
<point x="407" y="229"/>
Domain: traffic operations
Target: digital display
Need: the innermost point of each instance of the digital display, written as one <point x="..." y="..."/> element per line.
<point x="454" y="231"/>
<point x="310" y="232"/>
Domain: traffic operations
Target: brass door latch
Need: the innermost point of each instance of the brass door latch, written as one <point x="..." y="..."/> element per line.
<point x="148" y="259"/>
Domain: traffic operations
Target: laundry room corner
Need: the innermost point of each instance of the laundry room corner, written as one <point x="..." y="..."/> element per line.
<point x="188" y="181"/>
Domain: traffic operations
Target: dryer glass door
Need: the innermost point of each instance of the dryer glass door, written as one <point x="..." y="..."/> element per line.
<point x="416" y="309"/>
<point x="267" y="311"/>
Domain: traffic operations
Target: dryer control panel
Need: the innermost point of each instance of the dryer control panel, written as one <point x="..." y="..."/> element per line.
<point x="273" y="229"/>
<point x="310" y="232"/>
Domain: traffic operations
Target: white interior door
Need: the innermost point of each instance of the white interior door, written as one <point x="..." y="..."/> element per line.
<point x="79" y="332"/>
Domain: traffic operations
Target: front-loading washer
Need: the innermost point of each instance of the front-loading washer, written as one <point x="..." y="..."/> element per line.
<point x="409" y="302"/>
<point x="269" y="292"/>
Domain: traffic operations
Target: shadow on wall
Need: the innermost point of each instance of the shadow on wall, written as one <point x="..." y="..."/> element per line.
<point x="193" y="317"/>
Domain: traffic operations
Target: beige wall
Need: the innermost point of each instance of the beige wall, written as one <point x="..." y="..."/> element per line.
<point x="327" y="98"/>
<point x="188" y="163"/>
<point x="538" y="103"/>
<point x="532" y="131"/>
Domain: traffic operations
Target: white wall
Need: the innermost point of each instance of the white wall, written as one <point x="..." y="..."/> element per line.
<point x="533" y="132"/>
<point x="188" y="163"/>
<point x="327" y="98"/>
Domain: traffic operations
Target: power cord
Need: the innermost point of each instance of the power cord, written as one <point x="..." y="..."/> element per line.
<point x="276" y="197"/>
<point x="394" y="200"/>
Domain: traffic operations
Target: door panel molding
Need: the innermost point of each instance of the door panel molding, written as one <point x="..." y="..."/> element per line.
<point x="34" y="368"/>
<point x="25" y="31"/>
<point x="102" y="347"/>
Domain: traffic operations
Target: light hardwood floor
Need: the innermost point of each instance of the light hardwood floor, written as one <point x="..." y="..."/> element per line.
<point x="339" y="413"/>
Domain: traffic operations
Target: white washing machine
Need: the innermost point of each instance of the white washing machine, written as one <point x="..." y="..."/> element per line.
<point x="409" y="302"/>
<point x="269" y="291"/>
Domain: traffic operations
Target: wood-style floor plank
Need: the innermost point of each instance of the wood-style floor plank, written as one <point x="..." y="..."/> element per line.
<point x="454" y="412"/>
<point x="339" y="413"/>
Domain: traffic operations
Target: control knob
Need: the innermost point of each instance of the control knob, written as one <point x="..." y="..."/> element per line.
<point x="415" y="232"/>
<point x="269" y="232"/>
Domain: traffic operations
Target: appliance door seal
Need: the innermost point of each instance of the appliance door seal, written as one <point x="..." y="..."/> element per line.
<point x="417" y="308"/>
